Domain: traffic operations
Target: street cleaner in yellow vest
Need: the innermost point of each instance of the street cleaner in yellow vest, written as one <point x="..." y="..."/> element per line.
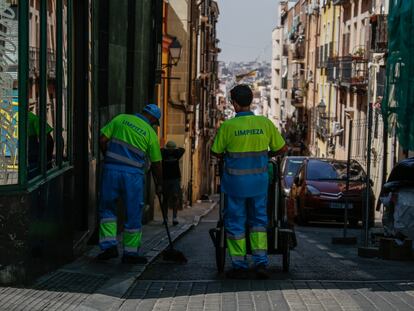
<point x="128" y="142"/>
<point x="246" y="142"/>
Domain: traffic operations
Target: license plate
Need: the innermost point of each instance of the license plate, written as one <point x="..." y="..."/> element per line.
<point x="341" y="205"/>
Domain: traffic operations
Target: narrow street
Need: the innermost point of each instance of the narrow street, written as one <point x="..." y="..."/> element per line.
<point x="322" y="277"/>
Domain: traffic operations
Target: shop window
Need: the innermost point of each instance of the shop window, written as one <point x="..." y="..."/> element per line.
<point x="41" y="99"/>
<point x="47" y="148"/>
<point x="9" y="117"/>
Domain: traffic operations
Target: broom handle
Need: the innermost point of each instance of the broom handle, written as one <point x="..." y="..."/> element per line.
<point x="165" y="221"/>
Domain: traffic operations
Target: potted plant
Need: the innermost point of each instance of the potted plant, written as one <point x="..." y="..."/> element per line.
<point x="359" y="53"/>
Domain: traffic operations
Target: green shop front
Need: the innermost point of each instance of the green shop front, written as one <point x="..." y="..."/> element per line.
<point x="47" y="164"/>
<point x="66" y="68"/>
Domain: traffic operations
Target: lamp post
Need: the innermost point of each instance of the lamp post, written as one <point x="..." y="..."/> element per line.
<point x="174" y="55"/>
<point x="347" y="240"/>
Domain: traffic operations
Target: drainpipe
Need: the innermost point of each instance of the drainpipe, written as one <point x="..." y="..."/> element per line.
<point x="189" y="95"/>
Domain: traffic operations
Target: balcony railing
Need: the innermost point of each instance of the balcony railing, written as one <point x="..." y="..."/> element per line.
<point x="340" y="2"/>
<point x="298" y="51"/>
<point x="34" y="62"/>
<point x="379" y="39"/>
<point x="34" y="57"/>
<point x="348" y="71"/>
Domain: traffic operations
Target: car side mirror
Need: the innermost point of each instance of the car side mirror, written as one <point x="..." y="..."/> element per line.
<point x="297" y="181"/>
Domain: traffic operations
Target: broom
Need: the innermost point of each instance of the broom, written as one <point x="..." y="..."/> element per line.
<point x="170" y="254"/>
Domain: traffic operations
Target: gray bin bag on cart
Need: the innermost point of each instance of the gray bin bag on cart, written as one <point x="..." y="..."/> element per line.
<point x="404" y="213"/>
<point x="399" y="219"/>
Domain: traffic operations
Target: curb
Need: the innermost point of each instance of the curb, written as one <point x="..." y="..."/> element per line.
<point x="110" y="296"/>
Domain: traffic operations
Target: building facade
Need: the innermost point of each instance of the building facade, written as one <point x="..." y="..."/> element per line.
<point x="68" y="68"/>
<point x="189" y="92"/>
<point x="338" y="84"/>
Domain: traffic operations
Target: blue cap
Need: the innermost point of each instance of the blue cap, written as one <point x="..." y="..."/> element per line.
<point x="153" y="110"/>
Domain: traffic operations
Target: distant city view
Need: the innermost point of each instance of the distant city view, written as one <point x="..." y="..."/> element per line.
<point x="254" y="73"/>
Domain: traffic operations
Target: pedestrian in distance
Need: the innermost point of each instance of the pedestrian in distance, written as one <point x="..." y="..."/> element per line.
<point x="246" y="142"/>
<point x="171" y="156"/>
<point x="128" y="142"/>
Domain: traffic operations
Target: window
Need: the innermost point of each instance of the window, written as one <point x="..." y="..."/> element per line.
<point x="9" y="104"/>
<point x="39" y="103"/>
<point x="48" y="88"/>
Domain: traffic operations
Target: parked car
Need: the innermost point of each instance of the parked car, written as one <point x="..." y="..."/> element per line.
<point x="289" y="167"/>
<point x="319" y="191"/>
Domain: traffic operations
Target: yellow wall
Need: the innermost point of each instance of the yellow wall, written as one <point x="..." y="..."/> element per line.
<point x="326" y="91"/>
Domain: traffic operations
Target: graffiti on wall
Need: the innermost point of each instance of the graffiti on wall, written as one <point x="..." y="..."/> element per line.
<point x="8" y="93"/>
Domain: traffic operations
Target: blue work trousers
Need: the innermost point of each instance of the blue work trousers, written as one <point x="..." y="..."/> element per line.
<point x="252" y="212"/>
<point x="128" y="185"/>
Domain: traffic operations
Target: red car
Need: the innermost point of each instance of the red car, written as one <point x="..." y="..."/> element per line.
<point x="319" y="192"/>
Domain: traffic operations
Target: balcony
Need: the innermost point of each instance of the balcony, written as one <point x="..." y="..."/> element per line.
<point x="51" y="64"/>
<point x="34" y="63"/>
<point x="352" y="71"/>
<point x="298" y="92"/>
<point x="379" y="36"/>
<point x="298" y="51"/>
<point x="34" y="57"/>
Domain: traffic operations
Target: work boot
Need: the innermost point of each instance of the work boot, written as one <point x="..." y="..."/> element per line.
<point x="238" y="274"/>
<point x="261" y="272"/>
<point x="175" y="222"/>
<point x="135" y="260"/>
<point x="108" y="253"/>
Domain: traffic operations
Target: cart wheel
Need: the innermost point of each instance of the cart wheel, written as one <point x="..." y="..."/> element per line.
<point x="220" y="250"/>
<point x="286" y="254"/>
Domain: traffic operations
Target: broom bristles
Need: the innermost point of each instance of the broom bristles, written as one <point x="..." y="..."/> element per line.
<point x="174" y="255"/>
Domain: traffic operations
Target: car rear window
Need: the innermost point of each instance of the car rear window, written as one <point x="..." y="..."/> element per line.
<point x="333" y="170"/>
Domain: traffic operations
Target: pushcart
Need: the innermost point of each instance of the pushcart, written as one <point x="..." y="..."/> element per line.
<point x="279" y="235"/>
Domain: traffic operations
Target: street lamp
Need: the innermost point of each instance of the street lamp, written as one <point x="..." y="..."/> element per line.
<point x="175" y="52"/>
<point x="322" y="108"/>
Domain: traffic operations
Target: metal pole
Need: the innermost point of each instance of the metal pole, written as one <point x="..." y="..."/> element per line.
<point x="368" y="181"/>
<point x="348" y="171"/>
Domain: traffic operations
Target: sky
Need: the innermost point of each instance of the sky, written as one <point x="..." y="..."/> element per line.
<point x="245" y="29"/>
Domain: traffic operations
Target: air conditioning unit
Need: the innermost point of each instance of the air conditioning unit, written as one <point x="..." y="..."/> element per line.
<point x="336" y="128"/>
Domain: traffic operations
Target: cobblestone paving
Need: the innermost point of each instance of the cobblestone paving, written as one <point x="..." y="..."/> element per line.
<point x="89" y="285"/>
<point x="269" y="295"/>
<point x="60" y="291"/>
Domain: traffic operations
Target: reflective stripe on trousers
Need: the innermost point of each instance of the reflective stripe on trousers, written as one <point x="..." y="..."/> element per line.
<point x="237" y="212"/>
<point x="258" y="240"/>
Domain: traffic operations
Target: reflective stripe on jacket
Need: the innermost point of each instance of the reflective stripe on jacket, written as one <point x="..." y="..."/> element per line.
<point x="120" y="152"/>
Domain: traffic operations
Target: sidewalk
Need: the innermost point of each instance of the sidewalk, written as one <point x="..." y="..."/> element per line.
<point x="89" y="285"/>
